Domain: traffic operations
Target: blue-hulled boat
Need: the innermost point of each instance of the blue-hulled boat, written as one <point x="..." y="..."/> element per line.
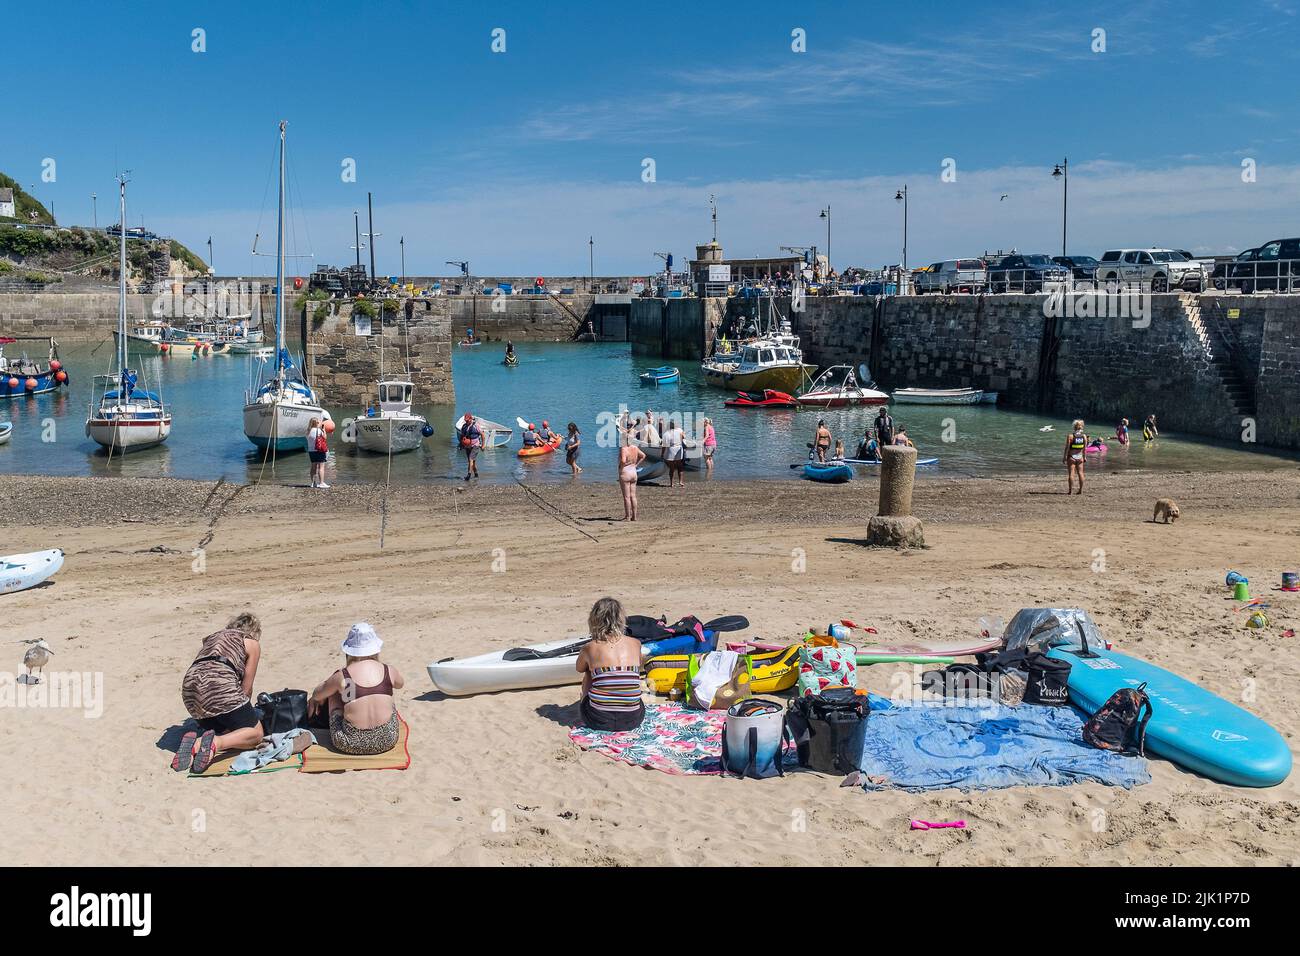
<point x="23" y="376"/>
<point x="663" y="375"/>
<point x="834" y="472"/>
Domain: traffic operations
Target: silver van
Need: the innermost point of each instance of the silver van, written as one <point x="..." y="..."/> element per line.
<point x="953" y="275"/>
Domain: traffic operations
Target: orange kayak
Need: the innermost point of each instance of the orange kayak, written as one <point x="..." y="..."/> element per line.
<point x="540" y="449"/>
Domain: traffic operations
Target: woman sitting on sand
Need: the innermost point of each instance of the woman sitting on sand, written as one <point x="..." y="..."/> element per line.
<point x="216" y="691"/>
<point x="610" y="665"/>
<point x="363" y="713"/>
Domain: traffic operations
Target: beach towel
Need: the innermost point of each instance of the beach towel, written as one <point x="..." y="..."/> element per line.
<point x="323" y="758"/>
<point x="671" y="739"/>
<point x="932" y="746"/>
<point x="221" y="767"/>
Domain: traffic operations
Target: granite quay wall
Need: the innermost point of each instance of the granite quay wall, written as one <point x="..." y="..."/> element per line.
<point x="344" y="365"/>
<point x="675" y="328"/>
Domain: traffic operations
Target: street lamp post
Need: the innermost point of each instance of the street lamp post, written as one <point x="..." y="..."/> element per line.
<point x="211" y="267"/>
<point x="901" y="196"/>
<point x="1062" y="172"/>
<point x="826" y="214"/>
<point x="94" y="211"/>
<point x="356" y="228"/>
<point x="591" y="263"/>
<point x="371" y="236"/>
<point x="402" y="242"/>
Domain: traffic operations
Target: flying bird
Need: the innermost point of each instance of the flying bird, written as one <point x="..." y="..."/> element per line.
<point x="36" y="656"/>
<point x="1004" y="196"/>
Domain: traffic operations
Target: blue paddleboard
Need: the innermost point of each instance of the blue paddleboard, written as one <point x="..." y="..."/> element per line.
<point x="1189" y="725"/>
<point x="868" y="461"/>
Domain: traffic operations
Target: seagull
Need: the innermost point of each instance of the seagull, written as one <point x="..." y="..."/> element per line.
<point x="36" y="656"/>
<point x="1046" y="428"/>
<point x="1004" y="196"/>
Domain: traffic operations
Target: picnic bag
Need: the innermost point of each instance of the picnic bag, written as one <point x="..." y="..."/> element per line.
<point x="825" y="668"/>
<point x="829" y="729"/>
<point x="753" y="739"/>
<point x="282" y="711"/>
<point x="1046" y="680"/>
<point x="1121" y="723"/>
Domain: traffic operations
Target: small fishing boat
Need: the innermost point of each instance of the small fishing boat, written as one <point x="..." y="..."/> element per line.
<point x="938" y="396"/>
<point x="158" y="336"/>
<point x="494" y="435"/>
<point x="834" y="472"/>
<point x="663" y="375"/>
<point x="6" y="429"/>
<point x="23" y="376"/>
<point x="838" y="387"/>
<point x="768" y="398"/>
<point x="773" y="360"/>
<point x="126" y="417"/>
<point x="392" y="427"/>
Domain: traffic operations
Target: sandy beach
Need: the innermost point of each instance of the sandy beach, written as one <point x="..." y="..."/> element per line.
<point x="495" y="780"/>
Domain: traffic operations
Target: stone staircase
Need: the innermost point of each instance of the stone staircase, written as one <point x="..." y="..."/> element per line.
<point x="1219" y="345"/>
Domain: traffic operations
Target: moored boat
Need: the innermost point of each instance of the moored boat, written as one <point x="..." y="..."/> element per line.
<point x="494" y="435"/>
<point x="24" y="376"/>
<point x="938" y="396"/>
<point x="663" y="375"/>
<point x="768" y="398"/>
<point x="838" y="387"/>
<point x="391" y="427"/>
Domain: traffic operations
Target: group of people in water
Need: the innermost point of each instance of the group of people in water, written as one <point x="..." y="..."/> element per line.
<point x="355" y="702"/>
<point x="881" y="432"/>
<point x="1078" y="446"/>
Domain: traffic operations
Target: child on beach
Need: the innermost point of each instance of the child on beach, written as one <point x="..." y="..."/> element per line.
<point x="1075" y="445"/>
<point x="839" y="449"/>
<point x="610" y="665"/>
<point x="317" y="452"/>
<point x="1121" y="431"/>
<point x="359" y="696"/>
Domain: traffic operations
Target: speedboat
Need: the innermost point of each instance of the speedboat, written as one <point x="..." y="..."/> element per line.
<point x="767" y="363"/>
<point x="837" y="387"/>
<point x="392" y="427"/>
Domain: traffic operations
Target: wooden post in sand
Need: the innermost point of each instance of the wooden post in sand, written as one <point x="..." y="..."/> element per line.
<point x="895" y="526"/>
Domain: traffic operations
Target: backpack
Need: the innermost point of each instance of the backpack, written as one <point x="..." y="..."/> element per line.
<point x="829" y="730"/>
<point x="322" y="442"/>
<point x="753" y="739"/>
<point x="1121" y="724"/>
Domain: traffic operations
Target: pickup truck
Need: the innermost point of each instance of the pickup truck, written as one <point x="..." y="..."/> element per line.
<point x="1026" y="273"/>
<point x="1157" y="269"/>
<point x="953" y="275"/>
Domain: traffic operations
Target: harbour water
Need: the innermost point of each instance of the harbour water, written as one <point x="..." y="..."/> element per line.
<point x="586" y="384"/>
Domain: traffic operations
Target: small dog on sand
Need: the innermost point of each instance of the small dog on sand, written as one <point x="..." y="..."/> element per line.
<point x="1166" y="508"/>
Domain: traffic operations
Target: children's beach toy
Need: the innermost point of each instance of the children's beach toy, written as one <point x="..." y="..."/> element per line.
<point x="1257" y="620"/>
<point x="1241" y="591"/>
<point x="927" y="825"/>
<point x="1291" y="580"/>
<point x="1235" y="577"/>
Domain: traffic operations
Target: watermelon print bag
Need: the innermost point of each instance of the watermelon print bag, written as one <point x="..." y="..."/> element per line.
<point x="823" y="667"/>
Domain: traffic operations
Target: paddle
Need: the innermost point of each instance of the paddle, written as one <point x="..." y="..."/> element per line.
<point x="729" y="622"/>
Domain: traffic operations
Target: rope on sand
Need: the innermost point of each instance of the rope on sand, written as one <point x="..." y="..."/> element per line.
<point x="559" y="514"/>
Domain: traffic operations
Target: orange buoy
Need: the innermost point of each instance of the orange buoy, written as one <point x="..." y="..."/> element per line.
<point x="56" y="365"/>
<point x="60" y="376"/>
<point x="163" y="348"/>
<point x="297" y="283"/>
<point x="31" y="384"/>
<point x="329" y="426"/>
<point x="13" y="382"/>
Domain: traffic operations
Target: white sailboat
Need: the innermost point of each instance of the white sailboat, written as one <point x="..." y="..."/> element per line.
<point x="126" y="417"/>
<point x="279" y="410"/>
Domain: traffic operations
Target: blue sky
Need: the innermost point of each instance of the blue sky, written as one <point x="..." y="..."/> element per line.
<point x="513" y="159"/>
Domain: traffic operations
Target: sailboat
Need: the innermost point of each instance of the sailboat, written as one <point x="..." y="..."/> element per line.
<point x="392" y="427"/>
<point x="278" y="411"/>
<point x="126" y="416"/>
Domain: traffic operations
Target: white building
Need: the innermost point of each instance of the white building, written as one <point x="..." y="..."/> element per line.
<point x="7" y="206"/>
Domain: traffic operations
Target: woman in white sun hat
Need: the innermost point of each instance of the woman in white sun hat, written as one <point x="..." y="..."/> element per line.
<point x="363" y="713"/>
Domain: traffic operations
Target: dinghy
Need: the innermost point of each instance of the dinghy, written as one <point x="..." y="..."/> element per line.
<point x="938" y="396"/>
<point x="663" y="375"/>
<point x="18" y="572"/>
<point x="6" y="429"/>
<point x="494" y="434"/>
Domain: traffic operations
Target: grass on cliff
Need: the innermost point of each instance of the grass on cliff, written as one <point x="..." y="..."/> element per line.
<point x="25" y="204"/>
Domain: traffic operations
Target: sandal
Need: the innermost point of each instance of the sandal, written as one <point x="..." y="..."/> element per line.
<point x="186" y="752"/>
<point x="205" y="753"/>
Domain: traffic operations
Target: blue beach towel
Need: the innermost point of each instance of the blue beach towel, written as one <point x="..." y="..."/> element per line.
<point x="932" y="746"/>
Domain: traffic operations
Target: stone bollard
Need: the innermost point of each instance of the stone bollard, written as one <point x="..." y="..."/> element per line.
<point x="895" y="526"/>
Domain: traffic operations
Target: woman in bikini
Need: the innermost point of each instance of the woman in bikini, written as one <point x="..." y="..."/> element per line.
<point x="629" y="456"/>
<point x="610" y="665"/>
<point x="363" y="712"/>
<point x="822" y="440"/>
<point x="1075" y="445"/>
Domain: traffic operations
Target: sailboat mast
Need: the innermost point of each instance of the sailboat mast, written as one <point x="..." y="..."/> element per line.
<point x="279" y="267"/>
<point x="121" y="281"/>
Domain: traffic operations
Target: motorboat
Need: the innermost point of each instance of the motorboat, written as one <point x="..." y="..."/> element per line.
<point x="838" y="387"/>
<point x="938" y="396"/>
<point x="391" y="426"/>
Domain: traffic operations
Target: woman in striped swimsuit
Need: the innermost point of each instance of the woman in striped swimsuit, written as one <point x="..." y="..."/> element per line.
<point x="610" y="665"/>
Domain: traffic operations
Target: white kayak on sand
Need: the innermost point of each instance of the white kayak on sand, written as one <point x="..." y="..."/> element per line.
<point x="18" y="572"/>
<point x="487" y="673"/>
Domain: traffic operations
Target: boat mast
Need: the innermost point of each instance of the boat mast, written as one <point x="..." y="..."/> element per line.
<point x="121" y="288"/>
<point x="279" y="269"/>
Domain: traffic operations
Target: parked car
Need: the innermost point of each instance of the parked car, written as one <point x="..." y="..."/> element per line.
<point x="953" y="275"/>
<point x="1223" y="276"/>
<point x="1081" y="267"/>
<point x="1157" y="269"/>
<point x="1273" y="267"/>
<point x="1026" y="273"/>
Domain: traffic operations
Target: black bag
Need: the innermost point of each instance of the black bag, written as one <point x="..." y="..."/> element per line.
<point x="1121" y="723"/>
<point x="1048" y="680"/>
<point x="282" y="711"/>
<point x="829" y="729"/>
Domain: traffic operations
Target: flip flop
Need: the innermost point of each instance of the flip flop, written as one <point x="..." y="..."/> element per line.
<point x="205" y="753"/>
<point x="186" y="752"/>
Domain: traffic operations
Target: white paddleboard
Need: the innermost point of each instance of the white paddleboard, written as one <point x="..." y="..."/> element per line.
<point x="18" y="572"/>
